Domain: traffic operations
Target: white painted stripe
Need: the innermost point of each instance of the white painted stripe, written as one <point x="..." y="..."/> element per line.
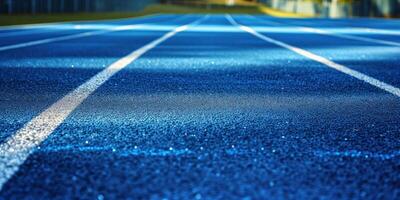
<point x="351" y="37"/>
<point x="67" y="37"/>
<point x="16" y="149"/>
<point x="333" y="34"/>
<point x="375" y="82"/>
<point x="380" y="31"/>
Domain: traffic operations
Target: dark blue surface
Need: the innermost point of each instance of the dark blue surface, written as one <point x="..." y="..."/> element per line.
<point x="211" y="113"/>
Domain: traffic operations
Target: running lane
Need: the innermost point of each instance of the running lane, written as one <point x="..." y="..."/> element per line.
<point x="217" y="113"/>
<point x="377" y="60"/>
<point x="33" y="78"/>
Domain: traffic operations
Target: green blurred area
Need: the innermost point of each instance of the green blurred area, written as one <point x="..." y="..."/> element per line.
<point x="19" y="19"/>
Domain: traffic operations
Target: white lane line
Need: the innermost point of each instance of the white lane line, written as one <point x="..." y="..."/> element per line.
<point x="380" y="31"/>
<point x="67" y="37"/>
<point x="16" y="149"/>
<point x="351" y="37"/>
<point x="375" y="82"/>
<point x="333" y="34"/>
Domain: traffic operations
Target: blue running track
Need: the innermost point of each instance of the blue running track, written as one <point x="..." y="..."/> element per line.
<point x="212" y="112"/>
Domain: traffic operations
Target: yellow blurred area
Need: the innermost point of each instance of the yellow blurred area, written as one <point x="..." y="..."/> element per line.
<point x="261" y="7"/>
<point x="216" y="2"/>
<point x="235" y="2"/>
<point x="279" y="13"/>
<point x="239" y="4"/>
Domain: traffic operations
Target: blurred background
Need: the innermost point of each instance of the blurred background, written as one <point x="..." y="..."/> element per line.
<point x="32" y="11"/>
<point x="338" y="8"/>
